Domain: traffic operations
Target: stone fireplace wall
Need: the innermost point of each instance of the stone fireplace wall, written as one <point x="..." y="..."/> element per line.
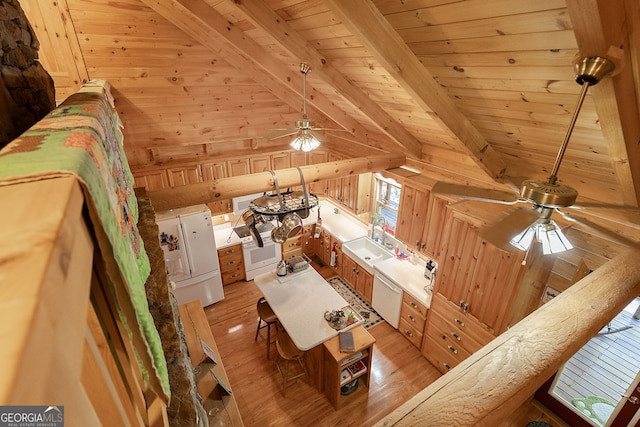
<point x="26" y="89"/>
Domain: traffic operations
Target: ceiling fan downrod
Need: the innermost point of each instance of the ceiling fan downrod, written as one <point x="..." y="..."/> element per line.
<point x="589" y="71"/>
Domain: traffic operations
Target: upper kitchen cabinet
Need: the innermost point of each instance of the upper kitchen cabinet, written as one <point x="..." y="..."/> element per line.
<point x="214" y="170"/>
<point x="478" y="277"/>
<point x="184" y="175"/>
<point x="412" y="215"/>
<point x="421" y="218"/>
<point x="155" y="180"/>
<point x="282" y="161"/>
<point x="239" y="166"/>
<point x="259" y="164"/>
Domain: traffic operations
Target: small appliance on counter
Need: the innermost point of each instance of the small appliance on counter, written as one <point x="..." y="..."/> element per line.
<point x="282" y="268"/>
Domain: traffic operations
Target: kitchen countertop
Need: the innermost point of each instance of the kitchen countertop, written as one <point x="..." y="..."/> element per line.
<point x="409" y="276"/>
<point x="300" y="303"/>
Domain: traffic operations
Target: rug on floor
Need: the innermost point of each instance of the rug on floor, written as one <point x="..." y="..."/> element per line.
<point x="371" y="318"/>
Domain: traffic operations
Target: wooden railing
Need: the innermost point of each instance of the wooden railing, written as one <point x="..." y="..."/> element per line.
<point x="493" y="382"/>
<point x="62" y="341"/>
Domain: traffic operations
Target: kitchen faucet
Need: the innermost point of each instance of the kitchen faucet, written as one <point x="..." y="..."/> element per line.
<point x="376" y="222"/>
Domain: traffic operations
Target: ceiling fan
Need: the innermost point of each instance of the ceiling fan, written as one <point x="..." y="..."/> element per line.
<point x="307" y="138"/>
<point x="544" y="196"/>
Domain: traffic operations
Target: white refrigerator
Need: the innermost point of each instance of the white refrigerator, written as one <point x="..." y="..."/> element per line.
<point x="189" y="246"/>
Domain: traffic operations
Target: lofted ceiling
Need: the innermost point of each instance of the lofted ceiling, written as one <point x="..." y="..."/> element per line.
<point x="474" y="90"/>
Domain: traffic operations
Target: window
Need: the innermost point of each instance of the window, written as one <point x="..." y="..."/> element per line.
<point x="387" y="201"/>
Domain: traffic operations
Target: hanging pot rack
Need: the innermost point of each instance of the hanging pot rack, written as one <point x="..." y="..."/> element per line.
<point x="272" y="206"/>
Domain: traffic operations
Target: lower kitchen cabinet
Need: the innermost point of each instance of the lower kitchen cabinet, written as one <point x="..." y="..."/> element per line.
<point x="231" y="264"/>
<point x="413" y="315"/>
<point x="452" y="334"/>
<point x="341" y="368"/>
<point x="357" y="277"/>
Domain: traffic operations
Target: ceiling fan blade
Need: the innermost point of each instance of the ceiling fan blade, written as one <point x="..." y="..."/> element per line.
<point x="604" y="232"/>
<point x="501" y="233"/>
<point x="318" y="136"/>
<point x="515" y="182"/>
<point x="588" y="205"/>
<point x="275" y="135"/>
<point x="475" y="193"/>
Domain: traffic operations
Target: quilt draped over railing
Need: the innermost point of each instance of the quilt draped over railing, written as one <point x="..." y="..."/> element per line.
<point x="82" y="137"/>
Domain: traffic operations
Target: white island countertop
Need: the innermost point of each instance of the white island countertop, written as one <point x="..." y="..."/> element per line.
<point x="300" y="302"/>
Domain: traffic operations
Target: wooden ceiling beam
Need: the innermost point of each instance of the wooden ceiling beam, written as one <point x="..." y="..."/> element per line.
<point x="363" y="19"/>
<point x="598" y="30"/>
<point x="259" y="13"/>
<point x="226" y="188"/>
<point x="205" y="25"/>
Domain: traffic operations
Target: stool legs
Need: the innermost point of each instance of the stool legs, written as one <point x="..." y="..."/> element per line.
<point x="268" y="326"/>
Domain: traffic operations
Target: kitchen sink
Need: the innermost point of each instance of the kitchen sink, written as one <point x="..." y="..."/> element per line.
<point x="366" y="252"/>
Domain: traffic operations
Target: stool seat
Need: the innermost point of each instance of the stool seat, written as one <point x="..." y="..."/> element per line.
<point x="266" y="315"/>
<point x="265" y="311"/>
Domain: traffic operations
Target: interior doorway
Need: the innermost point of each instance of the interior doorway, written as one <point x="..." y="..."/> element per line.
<point x="600" y="385"/>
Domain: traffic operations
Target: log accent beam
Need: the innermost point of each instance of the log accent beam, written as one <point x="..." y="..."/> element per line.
<point x="226" y="188"/>
<point x="504" y="374"/>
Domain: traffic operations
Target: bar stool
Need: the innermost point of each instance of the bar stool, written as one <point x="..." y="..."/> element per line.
<point x="266" y="315"/>
<point x="288" y="354"/>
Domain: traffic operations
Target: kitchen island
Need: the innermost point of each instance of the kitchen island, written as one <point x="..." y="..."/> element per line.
<point x="300" y="300"/>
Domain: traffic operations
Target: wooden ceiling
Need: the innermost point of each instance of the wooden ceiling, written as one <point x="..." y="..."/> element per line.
<point x="477" y="90"/>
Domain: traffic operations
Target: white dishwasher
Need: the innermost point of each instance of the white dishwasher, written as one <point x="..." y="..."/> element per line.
<point x="386" y="298"/>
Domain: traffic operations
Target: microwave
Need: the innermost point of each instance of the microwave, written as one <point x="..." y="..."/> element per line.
<point x="241" y="204"/>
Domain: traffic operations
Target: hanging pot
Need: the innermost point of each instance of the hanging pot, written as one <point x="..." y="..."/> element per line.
<point x="291" y="225"/>
<point x="278" y="236"/>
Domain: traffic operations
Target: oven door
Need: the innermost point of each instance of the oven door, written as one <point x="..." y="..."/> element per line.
<point x="260" y="259"/>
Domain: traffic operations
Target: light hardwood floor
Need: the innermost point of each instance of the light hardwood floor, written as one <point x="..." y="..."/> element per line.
<point x="399" y="371"/>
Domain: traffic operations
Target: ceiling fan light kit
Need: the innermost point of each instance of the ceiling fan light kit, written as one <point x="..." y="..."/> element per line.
<point x="305" y="140"/>
<point x="545" y="196"/>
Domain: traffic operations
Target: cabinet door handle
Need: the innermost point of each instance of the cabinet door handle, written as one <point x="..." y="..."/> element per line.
<point x="453" y="350"/>
<point x="446" y="365"/>
<point x="413" y="319"/>
<point x="460" y="322"/>
<point x="422" y="246"/>
<point x="456" y="336"/>
<point x="408" y="333"/>
<point x="231" y="262"/>
<point x="413" y="304"/>
<point x="230" y="251"/>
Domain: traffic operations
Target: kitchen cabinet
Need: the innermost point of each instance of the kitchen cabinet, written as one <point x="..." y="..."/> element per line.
<point x="156" y="180"/>
<point x="184" y="176"/>
<point x="413" y="315"/>
<point x="213" y="170"/>
<point x="357" y="277"/>
<point x="259" y="164"/>
<point x="476" y="275"/>
<point x="452" y="334"/>
<point x="220" y="207"/>
<point x="356" y="363"/>
<point x="412" y="215"/>
<point x="239" y="166"/>
<point x="308" y="232"/>
<point x="474" y="294"/>
<point x="293" y="246"/>
<point x="231" y="264"/>
<point x="421" y="219"/>
<point x="281" y="161"/>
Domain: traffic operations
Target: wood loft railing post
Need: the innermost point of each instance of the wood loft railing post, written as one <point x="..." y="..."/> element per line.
<point x="504" y="374"/>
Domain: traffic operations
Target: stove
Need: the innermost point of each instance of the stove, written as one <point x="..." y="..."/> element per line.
<point x="264" y="228"/>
